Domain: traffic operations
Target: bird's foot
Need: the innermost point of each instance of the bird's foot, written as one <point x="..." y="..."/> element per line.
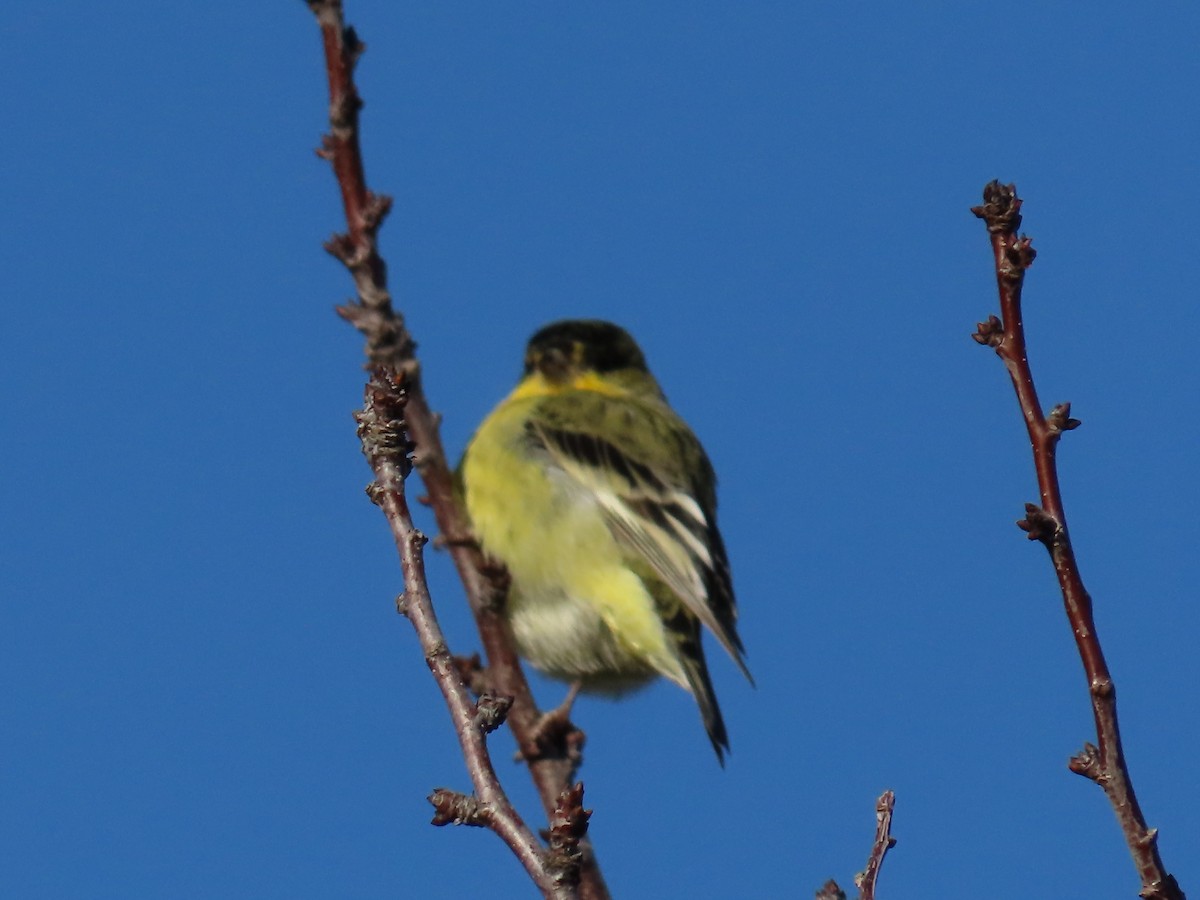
<point x="554" y="735"/>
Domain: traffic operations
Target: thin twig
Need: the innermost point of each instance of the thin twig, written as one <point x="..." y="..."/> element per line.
<point x="390" y="346"/>
<point x="385" y="444"/>
<point x="865" y="881"/>
<point x="1103" y="763"/>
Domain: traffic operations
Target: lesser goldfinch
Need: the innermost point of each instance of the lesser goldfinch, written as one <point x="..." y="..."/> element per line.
<point x="601" y="503"/>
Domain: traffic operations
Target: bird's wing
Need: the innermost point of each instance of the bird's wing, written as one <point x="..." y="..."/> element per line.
<point x="663" y="512"/>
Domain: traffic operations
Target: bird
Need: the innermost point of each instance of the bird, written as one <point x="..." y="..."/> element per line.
<point x="601" y="503"/>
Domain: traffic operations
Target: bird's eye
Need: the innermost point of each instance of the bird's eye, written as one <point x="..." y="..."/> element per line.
<point x="554" y="363"/>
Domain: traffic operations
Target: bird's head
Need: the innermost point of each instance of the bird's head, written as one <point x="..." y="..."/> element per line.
<point x="577" y="353"/>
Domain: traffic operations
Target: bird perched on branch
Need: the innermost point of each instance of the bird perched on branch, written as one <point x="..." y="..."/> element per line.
<point x="601" y="503"/>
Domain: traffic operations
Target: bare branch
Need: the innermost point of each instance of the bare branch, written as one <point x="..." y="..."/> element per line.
<point x="865" y="880"/>
<point x="390" y="348"/>
<point x="384" y="443"/>
<point x="568" y="828"/>
<point x="1047" y="523"/>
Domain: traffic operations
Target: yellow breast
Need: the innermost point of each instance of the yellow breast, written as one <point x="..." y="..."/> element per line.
<point x="577" y="609"/>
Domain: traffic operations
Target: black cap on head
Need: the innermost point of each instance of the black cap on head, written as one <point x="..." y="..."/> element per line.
<point x="591" y="344"/>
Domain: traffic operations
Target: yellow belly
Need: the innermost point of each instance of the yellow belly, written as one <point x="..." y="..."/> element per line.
<point x="577" y="610"/>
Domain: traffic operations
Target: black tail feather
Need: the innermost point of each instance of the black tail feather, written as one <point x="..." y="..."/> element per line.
<point x="691" y="656"/>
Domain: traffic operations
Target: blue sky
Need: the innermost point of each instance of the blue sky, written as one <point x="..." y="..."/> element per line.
<point x="207" y="690"/>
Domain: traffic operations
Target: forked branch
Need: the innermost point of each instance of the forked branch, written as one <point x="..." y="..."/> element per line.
<point x="391" y="353"/>
<point x="866" y="879"/>
<point x="385" y="444"/>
